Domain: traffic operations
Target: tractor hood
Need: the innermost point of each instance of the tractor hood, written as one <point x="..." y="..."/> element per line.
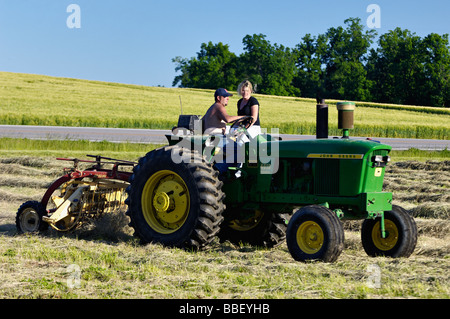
<point x="328" y="148"/>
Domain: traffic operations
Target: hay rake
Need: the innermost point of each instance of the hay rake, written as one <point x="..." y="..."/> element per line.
<point x="78" y="196"/>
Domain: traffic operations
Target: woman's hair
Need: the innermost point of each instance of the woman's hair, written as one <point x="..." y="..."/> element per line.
<point x="245" y="84"/>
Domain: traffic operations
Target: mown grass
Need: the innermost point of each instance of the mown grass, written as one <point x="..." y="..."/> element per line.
<point x="37" y="267"/>
<point x="41" y="100"/>
<point x="114" y="265"/>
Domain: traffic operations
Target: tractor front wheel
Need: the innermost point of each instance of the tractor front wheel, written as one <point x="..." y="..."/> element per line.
<point x="400" y="234"/>
<point x="315" y="233"/>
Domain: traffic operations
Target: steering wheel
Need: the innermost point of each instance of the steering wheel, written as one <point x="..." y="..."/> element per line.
<point x="238" y="130"/>
<point x="242" y="122"/>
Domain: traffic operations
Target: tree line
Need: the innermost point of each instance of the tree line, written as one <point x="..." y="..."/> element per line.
<point x="343" y="63"/>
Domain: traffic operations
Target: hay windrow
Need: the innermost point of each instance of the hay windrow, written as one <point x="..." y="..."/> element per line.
<point x="421" y="187"/>
<point x="114" y="265"/>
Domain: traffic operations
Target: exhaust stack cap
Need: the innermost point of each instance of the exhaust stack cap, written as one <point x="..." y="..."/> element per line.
<point x="345" y="116"/>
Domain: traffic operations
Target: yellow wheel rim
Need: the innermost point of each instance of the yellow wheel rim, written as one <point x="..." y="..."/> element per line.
<point x="165" y="202"/>
<point x="391" y="239"/>
<point x="247" y="224"/>
<point x="310" y="237"/>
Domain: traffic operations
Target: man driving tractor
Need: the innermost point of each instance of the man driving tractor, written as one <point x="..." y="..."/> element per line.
<point x="216" y="118"/>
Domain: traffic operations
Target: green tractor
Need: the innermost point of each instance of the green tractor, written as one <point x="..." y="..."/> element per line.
<point x="262" y="190"/>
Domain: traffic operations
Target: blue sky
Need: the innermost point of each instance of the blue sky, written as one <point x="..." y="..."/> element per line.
<point x="134" y="41"/>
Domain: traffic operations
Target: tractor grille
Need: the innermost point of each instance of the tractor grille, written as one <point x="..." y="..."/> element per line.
<point x="326" y="177"/>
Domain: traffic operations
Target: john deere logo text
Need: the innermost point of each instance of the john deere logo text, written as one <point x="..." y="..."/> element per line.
<point x="337" y="156"/>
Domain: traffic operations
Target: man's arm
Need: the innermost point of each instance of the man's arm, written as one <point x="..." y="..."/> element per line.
<point x="223" y="115"/>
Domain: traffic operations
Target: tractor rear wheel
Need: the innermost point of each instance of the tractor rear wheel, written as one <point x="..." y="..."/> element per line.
<point x="401" y="234"/>
<point x="175" y="204"/>
<point x="255" y="227"/>
<point x="315" y="233"/>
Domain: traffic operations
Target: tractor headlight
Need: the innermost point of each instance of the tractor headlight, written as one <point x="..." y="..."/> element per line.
<point x="380" y="160"/>
<point x="377" y="158"/>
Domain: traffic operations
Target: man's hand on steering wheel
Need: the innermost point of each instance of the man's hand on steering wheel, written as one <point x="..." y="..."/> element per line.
<point x="240" y="127"/>
<point x="245" y="122"/>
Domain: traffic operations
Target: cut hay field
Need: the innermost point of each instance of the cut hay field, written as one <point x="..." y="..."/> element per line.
<point x="113" y="265"/>
<point x="41" y="100"/>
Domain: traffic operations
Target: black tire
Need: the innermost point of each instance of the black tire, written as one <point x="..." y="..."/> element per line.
<point x="176" y="205"/>
<point x="258" y="228"/>
<point x="401" y="237"/>
<point x="29" y="218"/>
<point x="315" y="233"/>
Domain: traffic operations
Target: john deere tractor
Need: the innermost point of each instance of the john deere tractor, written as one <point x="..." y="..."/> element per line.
<point x="262" y="190"/>
<point x="258" y="189"/>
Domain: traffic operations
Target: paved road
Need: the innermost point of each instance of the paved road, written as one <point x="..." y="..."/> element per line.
<point x="158" y="136"/>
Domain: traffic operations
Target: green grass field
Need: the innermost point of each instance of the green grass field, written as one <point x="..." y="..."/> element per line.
<point x="41" y="100"/>
<point x="114" y="265"/>
<point x="133" y="151"/>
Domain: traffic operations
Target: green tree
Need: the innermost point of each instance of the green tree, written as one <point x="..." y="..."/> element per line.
<point x="407" y="69"/>
<point x="402" y="69"/>
<point x="345" y="58"/>
<point x="332" y="65"/>
<point x="271" y="68"/>
<point x="252" y="62"/>
<point x="437" y="69"/>
<point x="215" y="66"/>
<point x="311" y="76"/>
<point x="396" y="67"/>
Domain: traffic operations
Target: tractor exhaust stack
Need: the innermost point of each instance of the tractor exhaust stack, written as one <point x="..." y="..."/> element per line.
<point x="321" y="119"/>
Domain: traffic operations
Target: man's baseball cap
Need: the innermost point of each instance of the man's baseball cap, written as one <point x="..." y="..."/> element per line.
<point x="222" y="92"/>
